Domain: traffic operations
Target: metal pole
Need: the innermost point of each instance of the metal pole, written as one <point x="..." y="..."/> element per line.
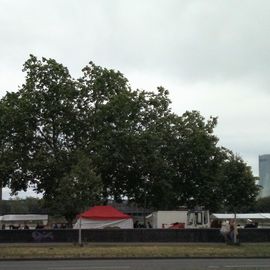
<point x="1" y="191"/>
<point x="80" y="232"/>
<point x="234" y="229"/>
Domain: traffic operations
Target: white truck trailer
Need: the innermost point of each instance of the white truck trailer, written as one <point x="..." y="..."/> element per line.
<point x="179" y="219"/>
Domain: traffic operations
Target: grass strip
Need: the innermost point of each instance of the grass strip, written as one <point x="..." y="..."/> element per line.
<point x="195" y="250"/>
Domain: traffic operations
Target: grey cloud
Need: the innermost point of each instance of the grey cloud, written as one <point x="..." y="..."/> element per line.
<point x="212" y="55"/>
<point x="194" y="40"/>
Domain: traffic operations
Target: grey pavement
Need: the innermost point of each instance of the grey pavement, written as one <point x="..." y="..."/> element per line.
<point x="166" y="264"/>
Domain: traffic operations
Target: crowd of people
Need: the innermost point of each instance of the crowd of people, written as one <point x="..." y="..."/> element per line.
<point x="15" y="227"/>
<point x="138" y="224"/>
<point x="37" y="226"/>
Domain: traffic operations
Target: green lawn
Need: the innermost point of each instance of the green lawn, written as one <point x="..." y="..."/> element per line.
<point x="112" y="251"/>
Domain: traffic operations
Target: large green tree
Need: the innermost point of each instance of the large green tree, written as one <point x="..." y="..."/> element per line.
<point x="135" y="147"/>
<point x="40" y="131"/>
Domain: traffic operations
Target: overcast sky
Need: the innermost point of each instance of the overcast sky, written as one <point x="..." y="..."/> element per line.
<point x="213" y="56"/>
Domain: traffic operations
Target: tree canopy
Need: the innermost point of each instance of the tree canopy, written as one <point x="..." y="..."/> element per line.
<point x="262" y="205"/>
<point x="237" y="187"/>
<point x="95" y="138"/>
<point x="28" y="205"/>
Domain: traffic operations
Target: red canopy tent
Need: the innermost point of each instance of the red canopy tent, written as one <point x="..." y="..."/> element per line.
<point x="99" y="217"/>
<point x="104" y="212"/>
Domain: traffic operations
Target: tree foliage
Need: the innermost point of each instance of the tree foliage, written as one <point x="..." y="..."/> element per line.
<point x="28" y="205"/>
<point x="77" y="189"/>
<point x="94" y="138"/>
<point x="262" y="205"/>
<point x="237" y="187"/>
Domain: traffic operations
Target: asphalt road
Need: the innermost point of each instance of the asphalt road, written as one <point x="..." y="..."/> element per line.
<point x="153" y="264"/>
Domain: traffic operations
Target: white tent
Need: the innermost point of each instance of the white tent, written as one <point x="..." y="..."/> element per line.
<point x="30" y="220"/>
<point x="100" y="217"/>
<point x="262" y="219"/>
<point x="251" y="216"/>
<point x="23" y="218"/>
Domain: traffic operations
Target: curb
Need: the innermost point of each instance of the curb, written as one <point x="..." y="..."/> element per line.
<point x="127" y="258"/>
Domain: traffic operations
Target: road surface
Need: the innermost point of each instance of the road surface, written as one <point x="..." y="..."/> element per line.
<point x="138" y="264"/>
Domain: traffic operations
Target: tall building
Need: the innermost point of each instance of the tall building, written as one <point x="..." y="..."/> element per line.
<point x="264" y="174"/>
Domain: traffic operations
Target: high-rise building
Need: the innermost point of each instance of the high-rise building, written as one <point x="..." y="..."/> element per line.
<point x="264" y="174"/>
